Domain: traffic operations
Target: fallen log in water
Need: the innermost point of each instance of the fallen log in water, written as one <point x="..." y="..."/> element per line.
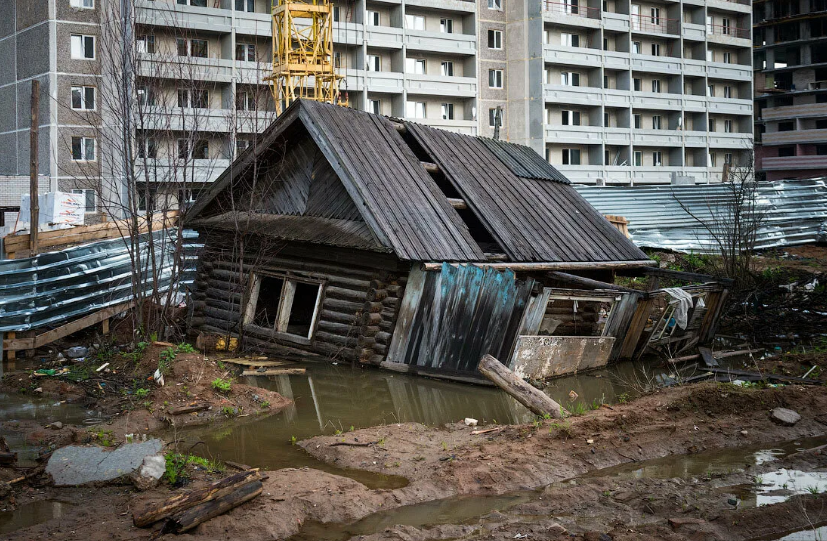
<point x="535" y="400"/>
<point x="181" y="502"/>
<point x="203" y="512"/>
<point x="275" y="372"/>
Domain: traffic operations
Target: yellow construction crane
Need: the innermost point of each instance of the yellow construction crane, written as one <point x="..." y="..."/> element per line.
<point x="303" y="53"/>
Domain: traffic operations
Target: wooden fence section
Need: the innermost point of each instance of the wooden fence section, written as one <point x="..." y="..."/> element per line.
<point x="18" y="245"/>
<point x="620" y="223"/>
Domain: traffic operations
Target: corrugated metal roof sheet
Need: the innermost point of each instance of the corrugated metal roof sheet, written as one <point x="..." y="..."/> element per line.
<point x="523" y="161"/>
<point x="791" y="212"/>
<point x="532" y="220"/>
<point x="328" y="231"/>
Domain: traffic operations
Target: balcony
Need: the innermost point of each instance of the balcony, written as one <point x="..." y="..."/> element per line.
<point x="383" y="36"/>
<point x="795" y="111"/>
<point x="440" y="42"/>
<point x="729" y="35"/>
<point x="657" y="138"/>
<point x="468" y="127"/>
<point x="253" y="72"/>
<point x="585" y="95"/>
<point x="741" y="6"/>
<point x="617" y="136"/>
<point x="185" y="68"/>
<point x="167" y="170"/>
<point x="655" y="100"/>
<point x="655" y="25"/>
<point x="694" y="67"/>
<point x="694" y="103"/>
<point x="186" y="119"/>
<point x="585" y="174"/>
<point x="794" y="163"/>
<point x="732" y="72"/>
<point x="348" y="33"/>
<point x="695" y="139"/>
<point x="569" y="13"/>
<point x="660" y="64"/>
<point x="575" y="56"/>
<point x="794" y="137"/>
<point x="389" y="82"/>
<point x="464" y="6"/>
<point x="730" y="106"/>
<point x="584" y="135"/>
<point x="617" y="98"/>
<point x="730" y="140"/>
<point x="694" y="32"/>
<point x="184" y="17"/>
<point x="617" y="22"/>
<point x="461" y="87"/>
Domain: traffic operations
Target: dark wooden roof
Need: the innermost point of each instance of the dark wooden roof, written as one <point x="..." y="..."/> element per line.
<point x="523" y="161"/>
<point x="532" y="220"/>
<point x="327" y="231"/>
<point x="524" y="204"/>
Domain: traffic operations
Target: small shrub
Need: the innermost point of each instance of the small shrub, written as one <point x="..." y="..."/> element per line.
<point x="141" y="393"/>
<point x="563" y="428"/>
<point x="265" y="404"/>
<point x="229" y="411"/>
<point x="185" y="348"/>
<point x="221" y="385"/>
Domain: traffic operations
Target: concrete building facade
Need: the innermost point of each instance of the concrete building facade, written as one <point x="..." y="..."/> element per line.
<point x="790" y="88"/>
<point x="612" y="90"/>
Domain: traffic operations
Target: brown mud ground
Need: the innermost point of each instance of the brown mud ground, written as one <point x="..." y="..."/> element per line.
<point x="451" y="461"/>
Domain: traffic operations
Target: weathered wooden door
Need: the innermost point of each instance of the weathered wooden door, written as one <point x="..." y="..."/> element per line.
<point x="449" y="319"/>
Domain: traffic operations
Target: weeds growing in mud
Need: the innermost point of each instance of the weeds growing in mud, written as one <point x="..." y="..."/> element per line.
<point x="561" y="428"/>
<point x="176" y="464"/>
<point x="221" y="385"/>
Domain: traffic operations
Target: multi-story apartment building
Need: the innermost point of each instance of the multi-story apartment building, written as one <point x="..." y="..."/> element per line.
<point x="790" y="40"/>
<point x="616" y="90"/>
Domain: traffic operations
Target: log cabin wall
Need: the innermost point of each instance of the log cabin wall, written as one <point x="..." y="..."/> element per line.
<point x="359" y="301"/>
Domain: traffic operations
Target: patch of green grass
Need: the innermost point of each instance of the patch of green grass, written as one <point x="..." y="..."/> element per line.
<point x="221" y="385"/>
<point x="229" y="411"/>
<point x="577" y="408"/>
<point x="563" y="427"/>
<point x="141" y="393"/>
<point x="813" y="489"/>
<point x="265" y="404"/>
<point x="104" y="437"/>
<point x="622" y="398"/>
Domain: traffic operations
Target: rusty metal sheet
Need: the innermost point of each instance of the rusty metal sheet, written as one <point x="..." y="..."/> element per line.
<point x="541" y="357"/>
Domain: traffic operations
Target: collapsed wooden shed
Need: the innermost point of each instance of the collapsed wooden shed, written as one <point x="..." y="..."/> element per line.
<point x="362" y="238"/>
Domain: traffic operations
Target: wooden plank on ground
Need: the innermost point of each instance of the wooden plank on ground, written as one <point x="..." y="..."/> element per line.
<point x="259" y="364"/>
<point x="275" y="372"/>
<point x="707" y="358"/>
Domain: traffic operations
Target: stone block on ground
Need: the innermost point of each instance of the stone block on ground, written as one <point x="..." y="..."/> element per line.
<point x="76" y="465"/>
<point x="784" y="416"/>
<point x="149" y="474"/>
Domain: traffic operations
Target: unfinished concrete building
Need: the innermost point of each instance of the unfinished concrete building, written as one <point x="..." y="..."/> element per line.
<point x="790" y="88"/>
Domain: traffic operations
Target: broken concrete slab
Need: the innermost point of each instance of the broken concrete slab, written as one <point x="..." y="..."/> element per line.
<point x="784" y="416"/>
<point x="76" y="465"/>
<point x="149" y="474"/>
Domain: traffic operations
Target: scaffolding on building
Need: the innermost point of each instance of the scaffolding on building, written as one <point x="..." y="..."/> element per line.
<point x="303" y="53"/>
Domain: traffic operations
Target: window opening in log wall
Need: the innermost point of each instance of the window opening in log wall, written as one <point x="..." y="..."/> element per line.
<point x="570" y="316"/>
<point x="284" y="304"/>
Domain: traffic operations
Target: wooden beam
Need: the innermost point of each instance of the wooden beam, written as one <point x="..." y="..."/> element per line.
<point x="551" y="266"/>
<point x="430" y="167"/>
<point x="687" y="276"/>
<point x="588" y="282"/>
<point x="34" y="214"/>
<point x="48" y="337"/>
<point x="458" y="204"/>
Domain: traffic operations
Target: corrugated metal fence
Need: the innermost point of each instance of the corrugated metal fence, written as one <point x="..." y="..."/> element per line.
<point x="55" y="287"/>
<point x="790" y="212"/>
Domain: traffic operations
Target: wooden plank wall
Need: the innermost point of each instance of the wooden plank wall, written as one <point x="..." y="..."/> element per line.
<point x="353" y="295"/>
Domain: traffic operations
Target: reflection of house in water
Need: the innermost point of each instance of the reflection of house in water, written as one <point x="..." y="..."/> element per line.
<point x="395" y="244"/>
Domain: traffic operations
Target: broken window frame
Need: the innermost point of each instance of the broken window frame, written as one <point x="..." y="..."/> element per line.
<point x="289" y="281"/>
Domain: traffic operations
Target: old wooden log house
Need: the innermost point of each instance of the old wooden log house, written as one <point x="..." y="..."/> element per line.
<point x="357" y="237"/>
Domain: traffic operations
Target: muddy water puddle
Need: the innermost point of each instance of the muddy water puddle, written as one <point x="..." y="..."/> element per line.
<point x="31" y="514"/>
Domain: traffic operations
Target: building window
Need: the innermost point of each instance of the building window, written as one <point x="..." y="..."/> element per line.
<point x="727" y="58"/>
<point x="725" y="26"/>
<point x="655" y="16"/>
<point x="83" y="98"/>
<point x="336" y="14"/>
<point x="145" y="44"/>
<point x="638" y="121"/>
<point x="374" y="62"/>
<point x="638" y="158"/>
<point x="637" y="47"/>
<point x="727" y="126"/>
<point x="82" y="4"/>
<point x="657" y="158"/>
<point x="495" y="39"/>
<point x="571" y="156"/>
<point x="284" y="304"/>
<point x="147" y="148"/>
<point x="196" y="48"/>
<point x="495" y="78"/>
<point x="447" y="111"/>
<point x="569" y="40"/>
<point x="245" y="101"/>
<point x="196" y="150"/>
<point x="83" y="149"/>
<point x="656" y="49"/>
<point x="373" y="18"/>
<point x="495" y="4"/>
<point x="492" y="117"/>
<point x="245" y="5"/>
<point x="193" y="98"/>
<point x="415" y="22"/>
<point x="728" y="158"/>
<point x="146" y="96"/>
<point x="571" y="118"/>
<point x="447" y="69"/>
<point x="786" y="152"/>
<point x="713" y="159"/>
<point x="728" y="92"/>
<point x="710" y="91"/>
<point x="446" y="26"/>
<point x="245" y="52"/>
<point x="375" y="107"/>
<point x="570" y="78"/>
<point x="241" y="145"/>
<point x="656" y="124"/>
<point x="605" y="44"/>
<point x="710" y="55"/>
<point x="655" y="85"/>
<point x="83" y="47"/>
<point x="90" y="199"/>
<point x="337" y="59"/>
<point x="786" y="126"/>
<point x="606" y="122"/>
<point x="415" y="109"/>
<point x="637" y="84"/>
<point x="415" y="65"/>
<point x="196" y="3"/>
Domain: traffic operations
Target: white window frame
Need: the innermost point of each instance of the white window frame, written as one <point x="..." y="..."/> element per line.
<point x="492" y="117"/>
<point x="245" y="100"/>
<point x="728" y="158"/>
<point x="637" y="84"/>
<point x="657" y="123"/>
<point x="657" y="158"/>
<point x="728" y="91"/>
<point x="284" y="308"/>
<point x="727" y="58"/>
<point x="83" y="98"/>
<point x="637" y="47"/>
<point x="375" y="107"/>
<point x="416" y="66"/>
<point x="447" y="111"/>
<point x="570" y="118"/>
<point x="495" y="4"/>
<point x="416" y="109"/>
<point x="495" y="78"/>
<point x="414" y="22"/>
<point x="637" y="121"/>
<point x="373" y="18"/>
<point x="570" y="78"/>
<point x="446" y="25"/>
<point x="447" y="68"/>
<point x="568" y="39"/>
<point x="143" y="145"/>
<point x="728" y="125"/>
<point x="248" y="6"/>
<point x="656" y="49"/>
<point x="142" y="43"/>
<point x="84" y="148"/>
<point x="86" y="193"/>
<point x="374" y="62"/>
<point x="495" y="40"/>
<point x="246" y="49"/>
<point x="82" y="4"/>
<point x="656" y="86"/>
<point x="637" y="157"/>
<point x="82" y="40"/>
<point x="567" y="156"/>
